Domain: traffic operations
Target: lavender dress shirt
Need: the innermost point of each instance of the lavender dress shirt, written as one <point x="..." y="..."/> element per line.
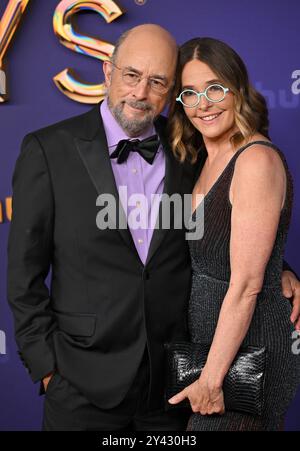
<point x="138" y="181"/>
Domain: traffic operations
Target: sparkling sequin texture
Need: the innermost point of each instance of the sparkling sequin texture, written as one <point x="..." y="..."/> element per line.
<point x="270" y="326"/>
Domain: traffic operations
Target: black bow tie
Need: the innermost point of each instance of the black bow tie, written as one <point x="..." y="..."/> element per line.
<point x="147" y="148"/>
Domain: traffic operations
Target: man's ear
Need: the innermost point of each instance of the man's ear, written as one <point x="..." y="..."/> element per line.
<point x="107" y="69"/>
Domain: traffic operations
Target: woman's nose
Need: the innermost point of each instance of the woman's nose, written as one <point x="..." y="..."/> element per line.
<point x="203" y="102"/>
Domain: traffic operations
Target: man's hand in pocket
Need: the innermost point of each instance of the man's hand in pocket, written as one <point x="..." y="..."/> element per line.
<point x="46" y="380"/>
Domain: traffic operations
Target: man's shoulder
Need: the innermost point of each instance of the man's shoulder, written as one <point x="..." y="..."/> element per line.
<point x="76" y="125"/>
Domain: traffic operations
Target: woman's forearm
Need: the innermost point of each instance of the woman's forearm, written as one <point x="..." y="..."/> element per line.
<point x="234" y="321"/>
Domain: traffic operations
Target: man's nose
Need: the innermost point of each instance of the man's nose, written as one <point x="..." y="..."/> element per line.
<point x="141" y="90"/>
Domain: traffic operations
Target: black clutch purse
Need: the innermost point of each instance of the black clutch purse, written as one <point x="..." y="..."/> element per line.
<point x="243" y="385"/>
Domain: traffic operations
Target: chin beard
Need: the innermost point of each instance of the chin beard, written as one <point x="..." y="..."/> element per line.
<point x="133" y="127"/>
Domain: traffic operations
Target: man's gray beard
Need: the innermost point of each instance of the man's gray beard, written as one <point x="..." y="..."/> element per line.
<point x="132" y="127"/>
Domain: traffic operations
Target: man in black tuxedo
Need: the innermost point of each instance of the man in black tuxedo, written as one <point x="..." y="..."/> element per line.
<point x="95" y="339"/>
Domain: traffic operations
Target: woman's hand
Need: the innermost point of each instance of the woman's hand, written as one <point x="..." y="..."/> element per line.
<point x="291" y="289"/>
<point x="204" y="396"/>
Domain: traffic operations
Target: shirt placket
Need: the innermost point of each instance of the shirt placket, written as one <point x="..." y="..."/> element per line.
<point x="136" y="186"/>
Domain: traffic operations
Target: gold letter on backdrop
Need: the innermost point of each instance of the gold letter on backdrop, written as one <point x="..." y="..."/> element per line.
<point x="8" y="26"/>
<point x="67" y="81"/>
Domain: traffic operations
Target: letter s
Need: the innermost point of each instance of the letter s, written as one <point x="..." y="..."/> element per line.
<point x="67" y="81"/>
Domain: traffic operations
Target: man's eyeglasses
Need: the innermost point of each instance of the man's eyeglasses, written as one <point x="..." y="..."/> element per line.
<point x="213" y="93"/>
<point x="132" y="78"/>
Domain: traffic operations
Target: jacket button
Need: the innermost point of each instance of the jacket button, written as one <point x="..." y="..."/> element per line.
<point x="146" y="274"/>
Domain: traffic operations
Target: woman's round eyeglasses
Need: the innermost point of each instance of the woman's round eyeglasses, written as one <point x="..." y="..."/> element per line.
<point x="213" y="93"/>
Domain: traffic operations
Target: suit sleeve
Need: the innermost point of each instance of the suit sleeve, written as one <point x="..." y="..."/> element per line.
<point x="30" y="246"/>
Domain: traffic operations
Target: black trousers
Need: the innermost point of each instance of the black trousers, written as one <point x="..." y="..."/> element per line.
<point x="66" y="409"/>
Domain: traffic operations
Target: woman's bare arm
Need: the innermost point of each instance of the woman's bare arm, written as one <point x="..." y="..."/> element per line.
<point x="257" y="195"/>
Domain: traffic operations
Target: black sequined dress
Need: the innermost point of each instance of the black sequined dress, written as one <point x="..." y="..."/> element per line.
<point x="270" y="325"/>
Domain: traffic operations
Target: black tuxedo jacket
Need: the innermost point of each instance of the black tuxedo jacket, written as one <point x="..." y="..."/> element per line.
<point x="104" y="306"/>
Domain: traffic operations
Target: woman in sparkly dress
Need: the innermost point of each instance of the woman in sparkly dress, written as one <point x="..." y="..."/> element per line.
<point x="236" y="297"/>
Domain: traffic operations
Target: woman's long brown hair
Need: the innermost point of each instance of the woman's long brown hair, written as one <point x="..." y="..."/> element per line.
<point x="251" y="113"/>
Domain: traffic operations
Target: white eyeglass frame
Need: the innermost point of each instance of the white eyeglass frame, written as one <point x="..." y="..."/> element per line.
<point x="200" y="94"/>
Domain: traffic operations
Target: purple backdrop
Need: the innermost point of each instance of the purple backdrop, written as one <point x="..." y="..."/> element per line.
<point x="266" y="36"/>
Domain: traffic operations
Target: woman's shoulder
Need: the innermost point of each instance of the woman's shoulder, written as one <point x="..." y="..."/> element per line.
<point x="261" y="155"/>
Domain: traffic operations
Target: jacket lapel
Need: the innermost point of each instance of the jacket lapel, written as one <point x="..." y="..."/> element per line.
<point x="93" y="151"/>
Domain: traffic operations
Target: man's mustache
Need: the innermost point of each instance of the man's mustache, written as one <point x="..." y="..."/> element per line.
<point x="139" y="105"/>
